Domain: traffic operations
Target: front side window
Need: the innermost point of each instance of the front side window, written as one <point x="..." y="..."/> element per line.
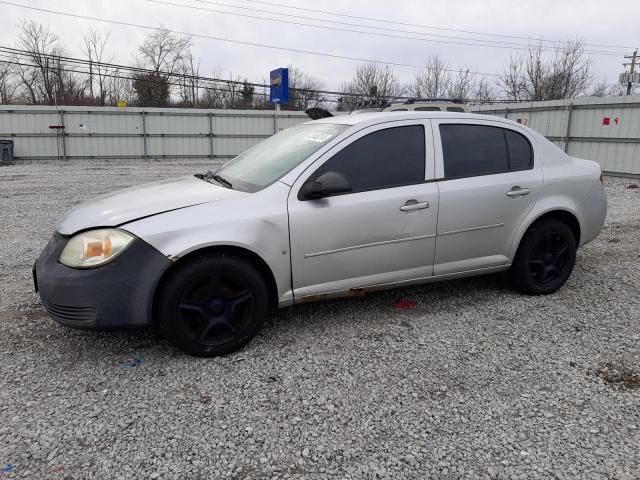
<point x="383" y="159"/>
<point x="269" y="160"/>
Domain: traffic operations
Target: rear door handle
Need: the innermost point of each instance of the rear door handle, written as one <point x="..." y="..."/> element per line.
<point x="518" y="192"/>
<point x="411" y="205"/>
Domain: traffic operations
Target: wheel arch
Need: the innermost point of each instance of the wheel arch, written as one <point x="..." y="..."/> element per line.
<point x="564" y="215"/>
<point x="250" y="256"/>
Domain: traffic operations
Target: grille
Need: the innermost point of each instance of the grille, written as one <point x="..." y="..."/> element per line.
<point x="71" y="314"/>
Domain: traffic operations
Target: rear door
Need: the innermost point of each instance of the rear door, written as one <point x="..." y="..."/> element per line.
<point x="381" y="232"/>
<point x="488" y="179"/>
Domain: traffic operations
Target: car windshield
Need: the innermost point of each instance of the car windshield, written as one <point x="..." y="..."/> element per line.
<point x="269" y="160"/>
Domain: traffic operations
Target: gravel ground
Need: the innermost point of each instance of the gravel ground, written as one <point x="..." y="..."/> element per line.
<point x="476" y="382"/>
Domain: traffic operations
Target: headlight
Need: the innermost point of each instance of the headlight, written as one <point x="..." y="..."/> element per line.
<point x="95" y="247"/>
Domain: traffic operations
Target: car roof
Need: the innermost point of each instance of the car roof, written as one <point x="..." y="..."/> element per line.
<point x="380" y="117"/>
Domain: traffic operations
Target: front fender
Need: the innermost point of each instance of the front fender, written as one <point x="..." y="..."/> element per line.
<point x="257" y="222"/>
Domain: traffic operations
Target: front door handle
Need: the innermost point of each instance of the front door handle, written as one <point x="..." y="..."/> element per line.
<point x="411" y="205"/>
<point x="518" y="192"/>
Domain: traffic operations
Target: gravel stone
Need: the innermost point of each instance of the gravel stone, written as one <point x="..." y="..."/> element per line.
<point x="475" y="382"/>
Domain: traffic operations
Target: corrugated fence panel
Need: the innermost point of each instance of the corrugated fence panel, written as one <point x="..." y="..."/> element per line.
<point x="108" y="147"/>
<point x="178" y="146"/>
<point x="250" y="124"/>
<point x="604" y="129"/>
<point x="177" y="124"/>
<point x="109" y="132"/>
<point x="112" y="123"/>
<point x="35" y="147"/>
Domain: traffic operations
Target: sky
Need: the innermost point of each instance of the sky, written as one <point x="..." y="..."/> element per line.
<point x="610" y="22"/>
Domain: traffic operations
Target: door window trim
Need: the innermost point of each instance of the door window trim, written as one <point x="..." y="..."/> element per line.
<point x="429" y="171"/>
<point x="439" y="152"/>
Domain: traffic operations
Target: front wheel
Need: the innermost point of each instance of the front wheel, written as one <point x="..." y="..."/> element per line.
<point x="212" y="305"/>
<point x="545" y="258"/>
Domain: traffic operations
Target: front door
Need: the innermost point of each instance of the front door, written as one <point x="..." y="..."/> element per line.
<point x="383" y="231"/>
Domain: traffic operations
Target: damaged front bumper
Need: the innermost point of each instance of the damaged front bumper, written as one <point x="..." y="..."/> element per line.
<point x="116" y="295"/>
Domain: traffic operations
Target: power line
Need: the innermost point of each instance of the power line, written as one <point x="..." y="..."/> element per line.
<point x="239" y="42"/>
<point x="360" y="17"/>
<point x="124" y="77"/>
<point x="139" y="70"/>
<point x="17" y="57"/>
<point x="493" y="43"/>
<point x="556" y="44"/>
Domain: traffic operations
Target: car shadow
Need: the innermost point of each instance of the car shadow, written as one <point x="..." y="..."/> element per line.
<point x="285" y="324"/>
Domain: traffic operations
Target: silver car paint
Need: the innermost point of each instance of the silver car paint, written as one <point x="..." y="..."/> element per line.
<point x="139" y="201"/>
<point x="363" y="239"/>
<point x="476" y="218"/>
<point x="347" y="250"/>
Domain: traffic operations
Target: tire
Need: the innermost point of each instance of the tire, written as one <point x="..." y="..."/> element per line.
<point x="545" y="258"/>
<point x="212" y="305"/>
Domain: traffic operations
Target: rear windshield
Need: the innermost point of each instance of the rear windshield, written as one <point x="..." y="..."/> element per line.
<point x="272" y="158"/>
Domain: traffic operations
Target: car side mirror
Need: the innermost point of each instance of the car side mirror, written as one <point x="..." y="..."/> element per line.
<point x="330" y="183"/>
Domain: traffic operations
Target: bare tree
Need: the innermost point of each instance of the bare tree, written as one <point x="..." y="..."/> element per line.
<point x="8" y="84"/>
<point x="437" y="80"/>
<point x="371" y="81"/>
<point x="43" y="51"/>
<point x="120" y="88"/>
<point x="432" y="81"/>
<point x="303" y="90"/>
<point x="94" y="46"/>
<point x="189" y="81"/>
<point x="461" y="85"/>
<point x="483" y="93"/>
<point x="214" y="96"/>
<point x="513" y="81"/>
<point x="538" y="76"/>
<point x="163" y="52"/>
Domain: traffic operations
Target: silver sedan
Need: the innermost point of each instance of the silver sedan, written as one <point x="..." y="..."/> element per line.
<point x="331" y="208"/>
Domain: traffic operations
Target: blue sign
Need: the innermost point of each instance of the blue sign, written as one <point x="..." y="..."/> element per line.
<point x="279" y="82"/>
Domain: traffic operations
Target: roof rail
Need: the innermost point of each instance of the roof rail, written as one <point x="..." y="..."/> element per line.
<point x="410" y="101"/>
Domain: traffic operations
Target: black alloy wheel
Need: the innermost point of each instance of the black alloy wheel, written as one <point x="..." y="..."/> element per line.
<point x="213" y="305"/>
<point x="548" y="259"/>
<point x="545" y="258"/>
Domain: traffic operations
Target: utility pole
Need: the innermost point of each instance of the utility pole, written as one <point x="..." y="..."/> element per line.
<point x="632" y="69"/>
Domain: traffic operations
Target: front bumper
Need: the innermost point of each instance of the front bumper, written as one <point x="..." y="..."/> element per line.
<point x="118" y="294"/>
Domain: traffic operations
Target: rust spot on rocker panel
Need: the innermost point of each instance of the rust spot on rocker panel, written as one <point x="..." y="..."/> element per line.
<point x="352" y="292"/>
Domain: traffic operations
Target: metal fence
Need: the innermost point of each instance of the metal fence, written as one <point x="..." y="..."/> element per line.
<point x="604" y="129"/>
<point x="43" y="132"/>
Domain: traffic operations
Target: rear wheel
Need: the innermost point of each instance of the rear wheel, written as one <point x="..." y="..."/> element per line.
<point x="213" y="305"/>
<point x="545" y="258"/>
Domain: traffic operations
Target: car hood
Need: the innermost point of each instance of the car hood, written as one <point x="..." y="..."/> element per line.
<point x="144" y="200"/>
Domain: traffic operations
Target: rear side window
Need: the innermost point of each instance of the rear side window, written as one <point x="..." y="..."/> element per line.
<point x="474" y="150"/>
<point x="399" y="110"/>
<point x="387" y="158"/>
<point x="520" y="151"/>
<point x="455" y="109"/>
<point x="427" y="109"/>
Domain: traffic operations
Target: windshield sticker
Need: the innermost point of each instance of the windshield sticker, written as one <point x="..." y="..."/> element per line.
<point x="318" y="137"/>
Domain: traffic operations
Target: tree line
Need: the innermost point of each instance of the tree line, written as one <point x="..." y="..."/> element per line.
<point x="165" y="73"/>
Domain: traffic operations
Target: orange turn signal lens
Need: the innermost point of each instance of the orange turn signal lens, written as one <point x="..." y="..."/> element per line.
<point x="94" y="249"/>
